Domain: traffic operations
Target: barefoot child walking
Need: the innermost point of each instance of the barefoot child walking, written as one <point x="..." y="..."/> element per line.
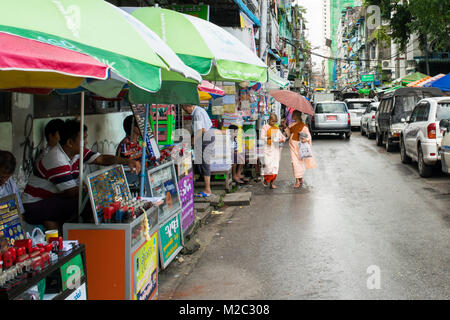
<point x="272" y="150"/>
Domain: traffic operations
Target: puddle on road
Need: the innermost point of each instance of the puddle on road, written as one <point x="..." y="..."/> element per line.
<point x="285" y="187"/>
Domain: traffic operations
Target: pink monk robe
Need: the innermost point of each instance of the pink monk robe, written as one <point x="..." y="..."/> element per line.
<point x="299" y="166"/>
<point x="272" y="151"/>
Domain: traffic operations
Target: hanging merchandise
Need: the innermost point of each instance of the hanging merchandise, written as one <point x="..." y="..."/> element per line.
<point x="162" y="119"/>
<point x="150" y="142"/>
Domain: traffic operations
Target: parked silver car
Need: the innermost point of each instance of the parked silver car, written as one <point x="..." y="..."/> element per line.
<point x="421" y="138"/>
<point x="368" y="124"/>
<point x="331" y="117"/>
<point x="356" y="107"/>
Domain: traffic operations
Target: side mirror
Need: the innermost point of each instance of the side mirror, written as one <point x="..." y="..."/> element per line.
<point x="408" y="119"/>
<point x="445" y="125"/>
<point x="403" y="120"/>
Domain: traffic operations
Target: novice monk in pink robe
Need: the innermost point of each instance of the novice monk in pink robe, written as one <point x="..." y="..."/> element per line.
<point x="272" y="150"/>
<point x="299" y="166"/>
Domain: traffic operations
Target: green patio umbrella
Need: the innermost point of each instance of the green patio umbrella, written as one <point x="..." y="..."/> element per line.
<point x="413" y="77"/>
<point x="99" y="29"/>
<point x="207" y="48"/>
<point x="133" y="52"/>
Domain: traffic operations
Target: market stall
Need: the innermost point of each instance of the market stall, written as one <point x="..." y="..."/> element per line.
<point x="122" y="243"/>
<point x="41" y="267"/>
<point x="136" y="248"/>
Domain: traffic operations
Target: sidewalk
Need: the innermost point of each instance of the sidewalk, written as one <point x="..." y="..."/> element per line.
<point x="210" y="224"/>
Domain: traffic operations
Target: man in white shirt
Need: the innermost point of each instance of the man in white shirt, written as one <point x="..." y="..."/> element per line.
<point x="203" y="135"/>
<point x="51" y="195"/>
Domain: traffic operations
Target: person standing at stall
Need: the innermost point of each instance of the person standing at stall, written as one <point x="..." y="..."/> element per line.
<point x="294" y="131"/>
<point x="51" y="196"/>
<point x="203" y="140"/>
<point x="272" y="137"/>
<point x="7" y="184"/>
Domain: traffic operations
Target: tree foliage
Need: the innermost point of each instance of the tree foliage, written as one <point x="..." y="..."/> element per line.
<point x="429" y="19"/>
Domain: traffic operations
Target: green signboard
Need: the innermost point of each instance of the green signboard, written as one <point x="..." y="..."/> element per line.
<point x="72" y="272"/>
<point x="368" y="78"/>
<point x="170" y="239"/>
<point x="200" y="11"/>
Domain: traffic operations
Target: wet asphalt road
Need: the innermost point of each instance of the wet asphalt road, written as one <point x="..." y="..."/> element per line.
<point x="360" y="211"/>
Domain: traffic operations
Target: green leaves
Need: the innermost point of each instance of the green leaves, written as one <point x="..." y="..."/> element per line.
<point x="431" y="18"/>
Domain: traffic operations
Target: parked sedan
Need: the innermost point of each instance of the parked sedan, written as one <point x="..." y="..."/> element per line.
<point x="356" y="107"/>
<point x="331" y="117"/>
<point x="368" y="125"/>
<point x="421" y="138"/>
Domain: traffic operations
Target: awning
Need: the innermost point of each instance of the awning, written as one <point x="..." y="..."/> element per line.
<point x="417" y="83"/>
<point x="442" y="83"/>
<point x="274" y="54"/>
<point x="248" y="12"/>
<point x="413" y="77"/>
<point x="276" y="80"/>
<point x="428" y="82"/>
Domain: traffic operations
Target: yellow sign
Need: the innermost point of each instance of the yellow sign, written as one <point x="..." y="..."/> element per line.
<point x="145" y="261"/>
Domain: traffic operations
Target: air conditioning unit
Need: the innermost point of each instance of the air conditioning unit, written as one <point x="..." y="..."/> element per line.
<point x="386" y="65"/>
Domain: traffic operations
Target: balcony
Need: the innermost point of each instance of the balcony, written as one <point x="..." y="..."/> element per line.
<point x="252" y="5"/>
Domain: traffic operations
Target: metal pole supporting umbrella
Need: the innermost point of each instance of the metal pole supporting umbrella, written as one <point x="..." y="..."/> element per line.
<point x="144" y="153"/>
<point x="80" y="184"/>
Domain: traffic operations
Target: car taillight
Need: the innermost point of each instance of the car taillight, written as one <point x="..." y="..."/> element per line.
<point x="349" y="122"/>
<point x="431" y="131"/>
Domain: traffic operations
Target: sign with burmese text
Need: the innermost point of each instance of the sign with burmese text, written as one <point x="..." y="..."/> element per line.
<point x="186" y="190"/>
<point x="170" y="238"/>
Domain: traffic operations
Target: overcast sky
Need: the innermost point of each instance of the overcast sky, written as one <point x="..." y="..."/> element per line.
<point x="314" y="17"/>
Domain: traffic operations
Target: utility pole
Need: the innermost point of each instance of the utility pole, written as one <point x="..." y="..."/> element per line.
<point x="427" y="58"/>
<point x="263" y="31"/>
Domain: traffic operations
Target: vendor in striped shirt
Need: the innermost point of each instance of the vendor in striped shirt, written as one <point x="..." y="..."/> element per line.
<point x="51" y="195"/>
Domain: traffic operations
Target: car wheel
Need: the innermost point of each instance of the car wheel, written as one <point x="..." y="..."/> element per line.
<point x="425" y="171"/>
<point x="403" y="156"/>
<point x="363" y="133"/>
<point x="348" y="135"/>
<point x="389" y="146"/>
<point x="379" y="139"/>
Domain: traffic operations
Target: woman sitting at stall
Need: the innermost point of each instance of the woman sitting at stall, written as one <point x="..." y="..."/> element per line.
<point x="295" y="131"/>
